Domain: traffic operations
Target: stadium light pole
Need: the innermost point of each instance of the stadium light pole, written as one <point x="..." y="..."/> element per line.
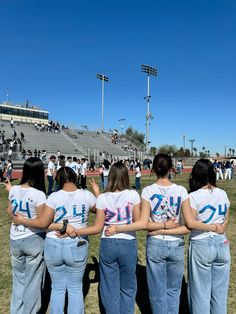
<point x="192" y="142"/>
<point x="103" y="78"/>
<point x="150" y="71"/>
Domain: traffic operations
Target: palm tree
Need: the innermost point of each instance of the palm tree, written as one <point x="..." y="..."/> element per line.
<point x="230" y="150"/>
<point x="233" y="152"/>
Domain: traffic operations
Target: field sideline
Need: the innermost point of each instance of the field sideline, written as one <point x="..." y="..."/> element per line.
<point x="91" y="282"/>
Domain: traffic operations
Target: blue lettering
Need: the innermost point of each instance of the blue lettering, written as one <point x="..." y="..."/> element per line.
<point x="177" y="205"/>
<point x="82" y="213"/>
<point x="212" y="208"/>
<point x="222" y="211"/>
<point x="126" y="217"/>
<point x="25" y="210"/>
<point x="160" y="198"/>
<point x="15" y="204"/>
<point x="63" y="209"/>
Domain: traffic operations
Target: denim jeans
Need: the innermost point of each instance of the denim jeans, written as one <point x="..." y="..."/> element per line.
<point x="28" y="271"/>
<point x="137" y="183"/>
<point x="66" y="262"/>
<point x="209" y="271"/>
<point x="105" y="181"/>
<point x="50" y="184"/>
<point x="118" y="286"/>
<point x="165" y="268"/>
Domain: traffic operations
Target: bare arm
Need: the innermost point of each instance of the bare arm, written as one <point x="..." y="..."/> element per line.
<point x="192" y="223"/>
<point x="96" y="228"/>
<point x="175" y="231"/>
<point x="46" y="215"/>
<point x="95" y="187"/>
<point x="138" y="224"/>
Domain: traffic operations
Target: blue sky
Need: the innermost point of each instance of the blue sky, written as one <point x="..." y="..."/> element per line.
<point x="51" y="51"/>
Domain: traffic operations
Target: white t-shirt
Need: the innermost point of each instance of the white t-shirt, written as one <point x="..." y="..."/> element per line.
<point x="165" y="203"/>
<point x="106" y="171"/>
<point x="137" y="172"/>
<point x="83" y="169"/>
<point x="211" y="206"/>
<point x="51" y="168"/>
<point x="73" y="206"/>
<point x="25" y="202"/>
<point x="118" y="208"/>
<point x="75" y="166"/>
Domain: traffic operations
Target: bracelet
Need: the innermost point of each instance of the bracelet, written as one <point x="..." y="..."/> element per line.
<point x="63" y="229"/>
<point x="164" y="225"/>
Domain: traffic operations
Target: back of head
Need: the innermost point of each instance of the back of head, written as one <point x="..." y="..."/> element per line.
<point x="162" y="163"/>
<point x="106" y="163"/>
<point x="202" y="174"/>
<point x="118" y="178"/>
<point x="33" y="173"/>
<point x="65" y="175"/>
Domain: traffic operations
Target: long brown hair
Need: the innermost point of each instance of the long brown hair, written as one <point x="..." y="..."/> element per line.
<point x="118" y="178"/>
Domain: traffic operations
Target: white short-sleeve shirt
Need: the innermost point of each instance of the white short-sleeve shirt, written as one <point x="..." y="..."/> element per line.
<point x="25" y="202"/>
<point x="165" y="203"/>
<point x="118" y="208"/>
<point x="73" y="206"/>
<point x="211" y="206"/>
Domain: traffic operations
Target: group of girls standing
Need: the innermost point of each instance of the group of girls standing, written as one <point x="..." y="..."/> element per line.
<point x="120" y="212"/>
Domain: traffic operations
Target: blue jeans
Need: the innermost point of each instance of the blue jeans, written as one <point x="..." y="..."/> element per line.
<point x="28" y="271"/>
<point x="209" y="271"/>
<point x="66" y="262"/>
<point x="105" y="181"/>
<point x="165" y="268"/>
<point x="50" y="184"/>
<point x="118" y="286"/>
<point x="137" y="183"/>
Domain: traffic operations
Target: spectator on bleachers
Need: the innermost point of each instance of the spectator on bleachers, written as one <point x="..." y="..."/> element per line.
<point x="22" y="136"/>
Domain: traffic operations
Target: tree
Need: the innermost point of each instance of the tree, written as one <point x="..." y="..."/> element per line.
<point x="195" y="151"/>
<point x="153" y="151"/>
<point x="168" y="149"/>
<point x="134" y="135"/>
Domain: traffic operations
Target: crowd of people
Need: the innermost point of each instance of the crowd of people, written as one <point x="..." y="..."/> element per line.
<point x="166" y="210"/>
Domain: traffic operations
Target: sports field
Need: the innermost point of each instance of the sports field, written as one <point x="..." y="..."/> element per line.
<point x="91" y="276"/>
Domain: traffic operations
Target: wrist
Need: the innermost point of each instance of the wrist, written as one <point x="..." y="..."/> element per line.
<point x="64" y="227"/>
<point x="164" y="225"/>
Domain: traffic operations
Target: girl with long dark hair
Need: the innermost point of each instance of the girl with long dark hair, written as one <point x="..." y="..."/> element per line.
<point x="209" y="253"/>
<point x="165" y="244"/>
<point x="26" y="243"/>
<point x="65" y="211"/>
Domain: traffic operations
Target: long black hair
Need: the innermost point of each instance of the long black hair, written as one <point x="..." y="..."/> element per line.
<point x="64" y="175"/>
<point x="33" y="174"/>
<point x="202" y="174"/>
<point x="162" y="163"/>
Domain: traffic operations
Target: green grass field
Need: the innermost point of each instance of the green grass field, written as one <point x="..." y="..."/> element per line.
<point x="91" y="284"/>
